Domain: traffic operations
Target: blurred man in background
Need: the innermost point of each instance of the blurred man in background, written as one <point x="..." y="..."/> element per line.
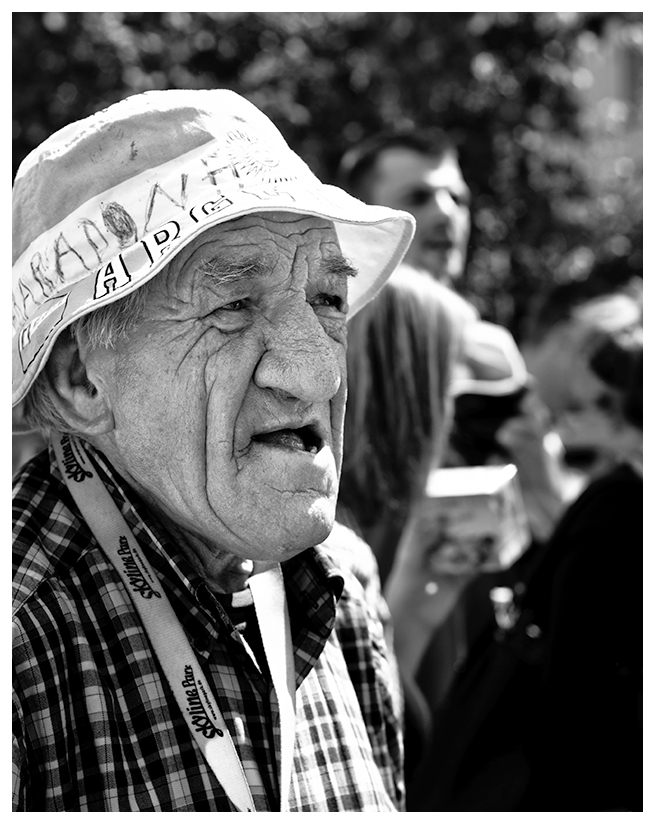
<point x="420" y="175"/>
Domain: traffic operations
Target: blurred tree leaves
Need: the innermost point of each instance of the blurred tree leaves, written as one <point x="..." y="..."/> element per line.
<point x="549" y="204"/>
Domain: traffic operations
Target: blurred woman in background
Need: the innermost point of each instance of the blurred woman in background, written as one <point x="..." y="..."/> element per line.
<point x="546" y="714"/>
<point x="402" y="350"/>
<point x="401" y="354"/>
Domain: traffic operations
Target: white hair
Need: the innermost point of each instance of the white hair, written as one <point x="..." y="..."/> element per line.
<point x="100" y="329"/>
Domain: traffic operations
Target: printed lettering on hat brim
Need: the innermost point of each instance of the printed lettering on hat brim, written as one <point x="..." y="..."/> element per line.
<point x="373" y="239"/>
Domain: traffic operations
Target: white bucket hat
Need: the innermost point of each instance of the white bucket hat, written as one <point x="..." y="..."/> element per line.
<point x="105" y="203"/>
<point x="491" y="362"/>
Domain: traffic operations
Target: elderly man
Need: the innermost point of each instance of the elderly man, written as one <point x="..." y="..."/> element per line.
<point x="181" y="288"/>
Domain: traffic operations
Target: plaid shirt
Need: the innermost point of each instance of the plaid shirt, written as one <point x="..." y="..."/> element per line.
<point x="96" y="727"/>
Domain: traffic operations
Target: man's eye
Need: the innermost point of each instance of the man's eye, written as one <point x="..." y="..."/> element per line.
<point x="417" y="197"/>
<point x="231" y="316"/>
<point x="331" y="301"/>
<point x="235" y="306"/>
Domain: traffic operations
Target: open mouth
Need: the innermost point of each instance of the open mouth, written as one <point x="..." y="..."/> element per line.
<point x="304" y="439"/>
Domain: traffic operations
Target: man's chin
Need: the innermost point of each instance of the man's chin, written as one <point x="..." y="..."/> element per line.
<point x="442" y="264"/>
<point x="299" y="532"/>
<point x="321" y="519"/>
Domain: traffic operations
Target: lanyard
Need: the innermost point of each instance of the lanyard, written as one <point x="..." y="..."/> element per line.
<point x="169" y="641"/>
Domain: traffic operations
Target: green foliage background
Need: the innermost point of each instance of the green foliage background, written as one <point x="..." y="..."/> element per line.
<point x="549" y="204"/>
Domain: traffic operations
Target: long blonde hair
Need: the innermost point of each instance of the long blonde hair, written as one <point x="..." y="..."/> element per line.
<point x="401" y="351"/>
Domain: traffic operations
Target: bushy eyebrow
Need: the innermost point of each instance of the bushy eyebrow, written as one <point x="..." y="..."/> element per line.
<point x="337" y="265"/>
<point x="221" y="271"/>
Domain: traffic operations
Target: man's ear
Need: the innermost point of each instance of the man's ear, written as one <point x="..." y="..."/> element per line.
<point x="76" y="398"/>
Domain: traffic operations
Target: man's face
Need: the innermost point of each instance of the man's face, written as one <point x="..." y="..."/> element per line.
<point x="433" y="190"/>
<point x="228" y="398"/>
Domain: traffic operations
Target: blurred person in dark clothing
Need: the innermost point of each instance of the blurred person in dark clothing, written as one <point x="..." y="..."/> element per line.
<point x="547" y="712"/>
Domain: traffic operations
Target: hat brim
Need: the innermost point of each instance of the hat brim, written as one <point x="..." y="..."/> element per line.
<point x="373" y="239"/>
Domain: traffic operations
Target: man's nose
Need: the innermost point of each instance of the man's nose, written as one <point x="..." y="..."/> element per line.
<point x="443" y="205"/>
<point x="300" y="360"/>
